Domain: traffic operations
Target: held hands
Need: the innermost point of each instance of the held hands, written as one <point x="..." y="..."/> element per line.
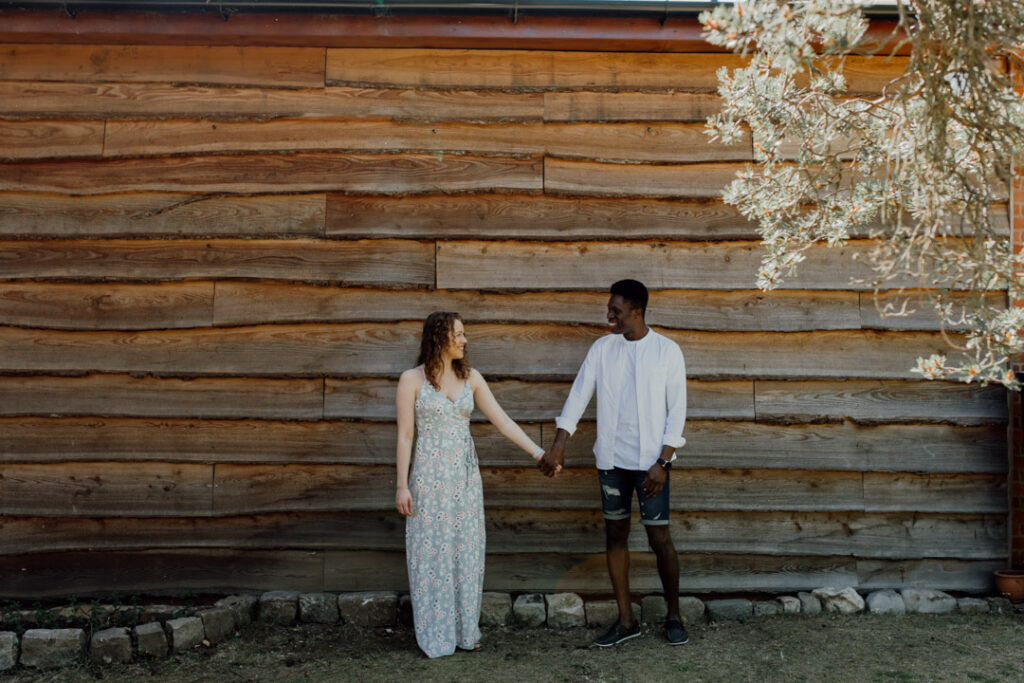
<point x="403" y="501"/>
<point x="654" y="482"/>
<point x="551" y="462"/>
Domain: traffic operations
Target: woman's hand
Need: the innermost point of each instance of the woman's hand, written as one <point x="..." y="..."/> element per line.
<point x="403" y="501"/>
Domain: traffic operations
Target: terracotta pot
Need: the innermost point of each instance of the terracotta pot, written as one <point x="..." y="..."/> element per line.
<point x="1010" y="584"/>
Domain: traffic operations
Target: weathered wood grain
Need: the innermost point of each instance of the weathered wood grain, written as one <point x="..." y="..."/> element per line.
<point x="500" y="351"/>
<point x="982" y="493"/>
<point x="508" y="216"/>
<point x="882" y="311"/>
<point x="246" y="489"/>
<point x="830" y="447"/>
<point x="100" y="489"/>
<point x="249" y="303"/>
<point x="629" y="106"/>
<point x="650" y="142"/>
<point x="661" y="181"/>
<point x="953" y="574"/>
<point x="107" y="306"/>
<point x="515" y="69"/>
<point x="46" y="139"/>
<point x="120" y="100"/>
<point x="385" y="263"/>
<point x="374" y="399"/>
<point x="473" y="264"/>
<point x="273" y="66"/>
<point x="207" y="570"/>
<point x="875" y="402"/>
<point x="38" y="216"/>
<point x="529" y="531"/>
<point x="276" y="173"/>
<point x="50" y="440"/>
<point x="126" y="396"/>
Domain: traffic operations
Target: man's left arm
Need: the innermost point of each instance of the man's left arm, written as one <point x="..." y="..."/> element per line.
<point x="675" y="421"/>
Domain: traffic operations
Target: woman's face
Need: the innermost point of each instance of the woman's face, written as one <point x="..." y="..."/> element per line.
<point x="457" y="344"/>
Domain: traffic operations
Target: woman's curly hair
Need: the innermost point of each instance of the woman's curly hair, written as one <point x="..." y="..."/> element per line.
<point x="438" y="330"/>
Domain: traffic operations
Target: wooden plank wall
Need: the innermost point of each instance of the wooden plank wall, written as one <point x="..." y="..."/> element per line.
<point x="213" y="265"/>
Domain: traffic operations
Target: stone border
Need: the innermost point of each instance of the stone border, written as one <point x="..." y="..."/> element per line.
<point x="163" y="631"/>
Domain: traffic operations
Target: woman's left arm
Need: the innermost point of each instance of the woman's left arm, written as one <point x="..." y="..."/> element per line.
<point x="489" y="406"/>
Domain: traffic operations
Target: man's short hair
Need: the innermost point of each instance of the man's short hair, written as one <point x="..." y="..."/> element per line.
<point x="633" y="292"/>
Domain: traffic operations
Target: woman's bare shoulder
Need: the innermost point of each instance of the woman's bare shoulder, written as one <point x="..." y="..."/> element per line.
<point x="413" y="377"/>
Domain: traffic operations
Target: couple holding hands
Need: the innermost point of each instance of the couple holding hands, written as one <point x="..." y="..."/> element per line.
<point x="640" y="380"/>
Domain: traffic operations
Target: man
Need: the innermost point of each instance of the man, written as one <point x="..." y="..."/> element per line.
<point x="640" y="379"/>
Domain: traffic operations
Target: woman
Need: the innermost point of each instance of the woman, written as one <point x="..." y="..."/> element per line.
<point x="443" y="499"/>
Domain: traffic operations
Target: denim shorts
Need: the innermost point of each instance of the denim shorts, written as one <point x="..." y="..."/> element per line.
<point x="617" y="486"/>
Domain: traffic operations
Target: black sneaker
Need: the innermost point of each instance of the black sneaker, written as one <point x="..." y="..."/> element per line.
<point x="675" y="633"/>
<point x="618" y="633"/>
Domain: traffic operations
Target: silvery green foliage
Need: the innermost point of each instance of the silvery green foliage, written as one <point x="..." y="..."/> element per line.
<point x="922" y="168"/>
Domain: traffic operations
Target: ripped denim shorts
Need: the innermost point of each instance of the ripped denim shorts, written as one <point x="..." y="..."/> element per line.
<point x="617" y="486"/>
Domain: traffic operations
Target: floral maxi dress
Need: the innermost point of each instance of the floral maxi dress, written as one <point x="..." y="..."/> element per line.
<point x="444" y="539"/>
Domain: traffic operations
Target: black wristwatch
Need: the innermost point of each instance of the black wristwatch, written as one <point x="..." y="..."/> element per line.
<point x="665" y="464"/>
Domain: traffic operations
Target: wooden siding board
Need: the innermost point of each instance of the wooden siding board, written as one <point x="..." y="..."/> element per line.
<point x="660" y="265"/>
<point x="550" y="70"/>
<point x="373" y="399"/>
<point x="952" y="574"/>
<point x="120" y="100"/>
<point x="39" y="216"/>
<point x="355" y="350"/>
<point x="106" y="489"/>
<point x="273" y="66"/>
<point x="127" y="396"/>
<point x="517" y="216"/>
<point x="49" y="139"/>
<point x="205" y="570"/>
<point x="276" y="173"/>
<point x="629" y="106"/>
<point x="962" y="493"/>
<point x="662" y="181"/>
<point x="920" y="315"/>
<point x="650" y="142"/>
<point x="106" y="307"/>
<point x="384" y="263"/>
<point x="526" y="531"/>
<point x="869" y="402"/>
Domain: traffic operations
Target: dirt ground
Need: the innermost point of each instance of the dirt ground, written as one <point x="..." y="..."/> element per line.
<point x="824" y="648"/>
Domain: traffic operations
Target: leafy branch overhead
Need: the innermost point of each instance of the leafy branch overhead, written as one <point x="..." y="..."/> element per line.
<point x="924" y="167"/>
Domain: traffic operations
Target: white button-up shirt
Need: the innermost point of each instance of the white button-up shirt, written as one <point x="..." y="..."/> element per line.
<point x="660" y="381"/>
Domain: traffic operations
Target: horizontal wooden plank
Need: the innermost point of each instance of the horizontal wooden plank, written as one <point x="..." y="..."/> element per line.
<point x="874" y="402"/>
<point x="629" y="106"/>
<point x="730" y="265"/>
<point x="46" y="139"/>
<point x="107" y="306"/>
<point x="387" y="263"/>
<point x="517" y="216"/>
<point x="106" y="489"/>
<point x="374" y="399"/>
<point x="650" y="142"/>
<point x="276" y="173"/>
<point x="49" y="440"/>
<point x="117" y="100"/>
<point x="167" y="572"/>
<point x="276" y="66"/>
<point x="833" y="447"/>
<point x="549" y="70"/>
<point x="250" y="303"/>
<point x="127" y="396"/>
<point x="885" y="310"/>
<point x="99" y="574"/>
<point x="247" y="489"/>
<point x="499" y="351"/>
<point x="524" y="531"/>
<point x="661" y="181"/>
<point x="39" y="216"/>
<point x="983" y="493"/>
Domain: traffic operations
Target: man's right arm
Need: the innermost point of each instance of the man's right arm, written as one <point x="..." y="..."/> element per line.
<point x="579" y="396"/>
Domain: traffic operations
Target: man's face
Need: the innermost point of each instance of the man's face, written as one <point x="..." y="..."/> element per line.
<point x="622" y="317"/>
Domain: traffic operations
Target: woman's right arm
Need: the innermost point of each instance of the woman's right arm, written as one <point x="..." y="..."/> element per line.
<point x="405" y="405"/>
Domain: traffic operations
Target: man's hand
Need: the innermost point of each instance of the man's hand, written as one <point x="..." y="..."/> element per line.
<point x="654" y="482"/>
<point x="551" y="462"/>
